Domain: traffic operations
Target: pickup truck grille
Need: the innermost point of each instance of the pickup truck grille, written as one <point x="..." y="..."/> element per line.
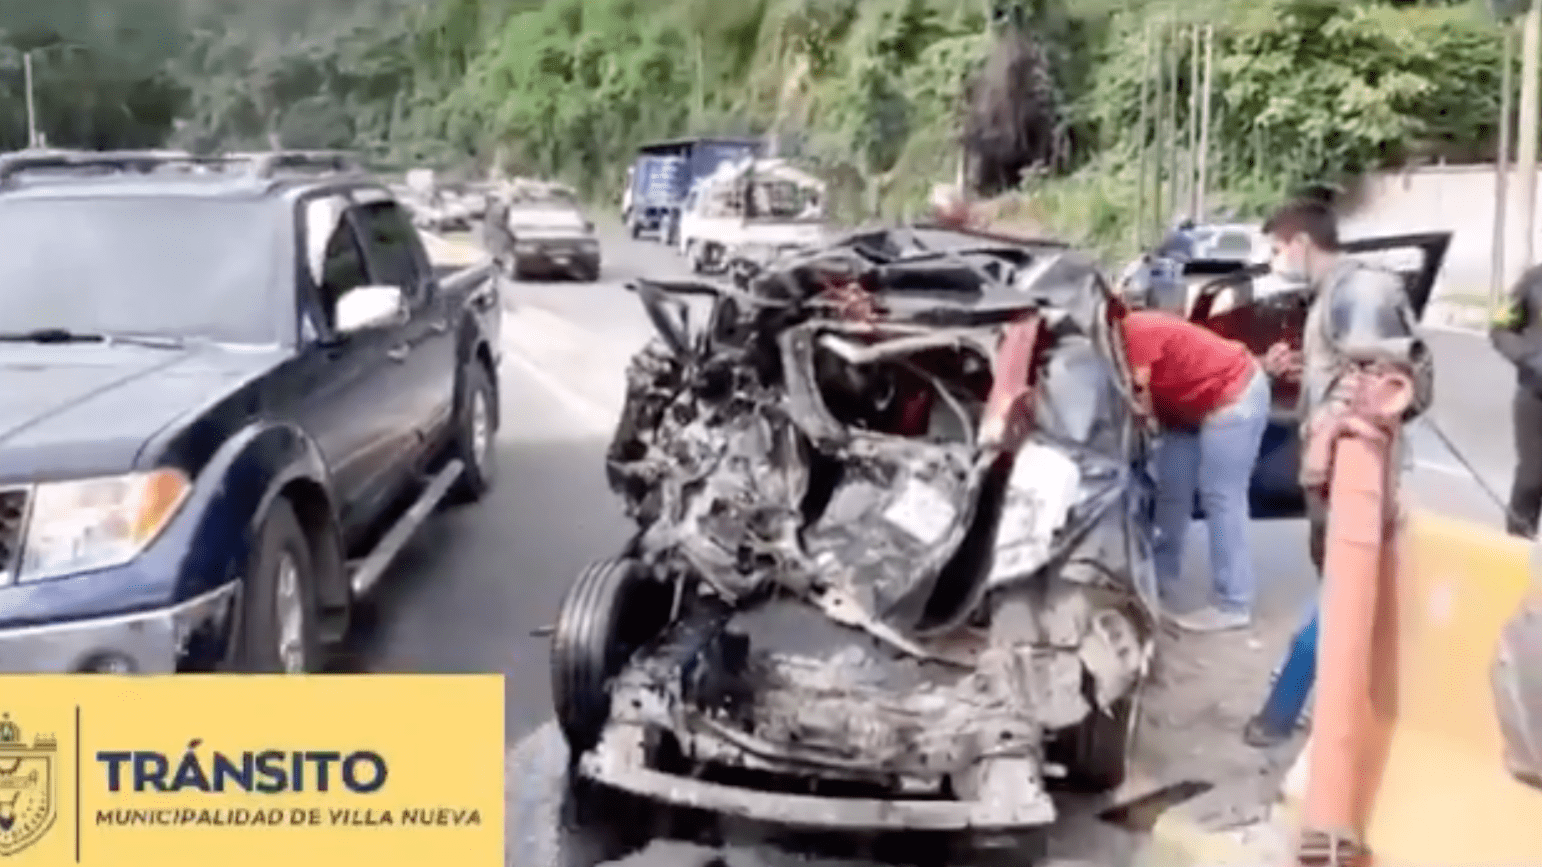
<point x="13" y="512"/>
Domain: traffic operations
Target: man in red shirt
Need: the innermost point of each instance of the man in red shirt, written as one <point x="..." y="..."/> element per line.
<point x="1211" y="397"/>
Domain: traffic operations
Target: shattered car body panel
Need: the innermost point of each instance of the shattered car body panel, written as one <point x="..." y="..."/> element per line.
<point x="898" y="486"/>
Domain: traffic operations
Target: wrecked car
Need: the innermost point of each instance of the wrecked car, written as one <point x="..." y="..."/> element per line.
<point x="891" y="566"/>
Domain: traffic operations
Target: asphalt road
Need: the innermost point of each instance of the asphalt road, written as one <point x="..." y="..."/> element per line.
<point x="470" y="591"/>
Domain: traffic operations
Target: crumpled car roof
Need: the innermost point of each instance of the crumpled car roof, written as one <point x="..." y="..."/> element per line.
<point x="940" y="276"/>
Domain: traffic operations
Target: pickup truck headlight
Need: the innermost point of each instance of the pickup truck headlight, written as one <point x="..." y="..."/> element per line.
<point x="87" y="524"/>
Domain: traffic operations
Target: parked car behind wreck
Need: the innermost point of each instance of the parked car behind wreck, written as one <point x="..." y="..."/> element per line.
<point x="891" y="535"/>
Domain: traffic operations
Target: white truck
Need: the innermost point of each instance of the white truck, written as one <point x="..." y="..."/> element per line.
<point x="751" y="206"/>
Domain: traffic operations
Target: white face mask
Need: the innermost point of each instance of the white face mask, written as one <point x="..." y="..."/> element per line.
<point x="1291" y="268"/>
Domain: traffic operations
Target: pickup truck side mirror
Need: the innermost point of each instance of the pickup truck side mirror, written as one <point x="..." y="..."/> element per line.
<point x="365" y="308"/>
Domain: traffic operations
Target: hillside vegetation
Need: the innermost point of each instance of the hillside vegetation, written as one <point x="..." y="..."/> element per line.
<point x="876" y="94"/>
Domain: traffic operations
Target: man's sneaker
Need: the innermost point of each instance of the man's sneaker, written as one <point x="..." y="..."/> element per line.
<point x="1257" y="734"/>
<point x="1212" y="620"/>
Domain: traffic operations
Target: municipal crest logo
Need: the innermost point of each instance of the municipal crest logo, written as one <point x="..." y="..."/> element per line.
<point x="27" y="781"/>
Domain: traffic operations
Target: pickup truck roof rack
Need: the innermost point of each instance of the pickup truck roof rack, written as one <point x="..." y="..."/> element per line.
<point x="263" y="164"/>
<point x="14" y="164"/>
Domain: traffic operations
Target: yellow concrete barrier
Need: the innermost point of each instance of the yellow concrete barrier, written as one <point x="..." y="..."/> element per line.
<point x="1445" y="796"/>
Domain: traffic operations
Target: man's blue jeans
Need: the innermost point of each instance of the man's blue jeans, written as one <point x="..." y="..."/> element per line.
<point x="1216" y="461"/>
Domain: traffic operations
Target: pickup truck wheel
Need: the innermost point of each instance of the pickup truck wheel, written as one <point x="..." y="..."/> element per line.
<point x="611" y="611"/>
<point x="475" y="430"/>
<point x="277" y="630"/>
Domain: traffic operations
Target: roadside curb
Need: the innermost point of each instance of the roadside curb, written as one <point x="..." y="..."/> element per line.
<point x="1188" y="835"/>
<point x="1180" y="840"/>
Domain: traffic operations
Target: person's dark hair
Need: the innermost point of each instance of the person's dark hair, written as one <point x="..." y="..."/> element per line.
<point x="1314" y="219"/>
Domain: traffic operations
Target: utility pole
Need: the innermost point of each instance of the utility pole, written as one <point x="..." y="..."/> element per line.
<point x="1499" y="265"/>
<point x="1175" y="69"/>
<point x="1159" y="154"/>
<point x="1526" y="129"/>
<point x="1201" y="186"/>
<point x="1191" y="173"/>
<point x="26" y="65"/>
<point x="1143" y="137"/>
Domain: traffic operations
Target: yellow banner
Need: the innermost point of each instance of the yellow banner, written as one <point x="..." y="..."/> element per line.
<point x="246" y="770"/>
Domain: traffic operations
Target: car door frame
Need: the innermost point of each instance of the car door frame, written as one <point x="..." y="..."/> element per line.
<point x="428" y="335"/>
<point x="349" y="370"/>
<point x="1274" y="490"/>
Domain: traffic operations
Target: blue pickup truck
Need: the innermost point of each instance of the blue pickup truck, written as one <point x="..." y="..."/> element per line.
<point x="230" y="390"/>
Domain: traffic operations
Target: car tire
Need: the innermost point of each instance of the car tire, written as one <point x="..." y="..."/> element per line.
<point x="1096" y="751"/>
<point x="476" y="428"/>
<point x="635" y="229"/>
<point x="611" y="610"/>
<point x="277" y="626"/>
<point x="590" y="272"/>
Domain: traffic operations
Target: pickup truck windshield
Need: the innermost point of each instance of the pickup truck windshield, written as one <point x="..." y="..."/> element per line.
<point x="163" y="266"/>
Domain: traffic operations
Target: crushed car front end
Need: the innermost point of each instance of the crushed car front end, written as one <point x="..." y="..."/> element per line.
<point x="891" y="567"/>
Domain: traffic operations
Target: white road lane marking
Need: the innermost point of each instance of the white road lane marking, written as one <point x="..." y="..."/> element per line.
<point x="588" y="414"/>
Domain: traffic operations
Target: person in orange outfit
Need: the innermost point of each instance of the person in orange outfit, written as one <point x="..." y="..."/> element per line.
<point x="1211" y="397"/>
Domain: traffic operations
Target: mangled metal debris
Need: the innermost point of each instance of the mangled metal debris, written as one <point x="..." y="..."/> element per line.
<point x="890" y="548"/>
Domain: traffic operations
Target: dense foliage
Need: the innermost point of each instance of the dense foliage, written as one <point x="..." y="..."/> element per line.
<point x="877" y="94"/>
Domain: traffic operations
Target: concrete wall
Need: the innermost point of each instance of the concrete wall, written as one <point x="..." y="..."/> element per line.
<point x="1459" y="199"/>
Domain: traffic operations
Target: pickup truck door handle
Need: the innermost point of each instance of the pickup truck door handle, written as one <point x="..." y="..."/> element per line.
<point x="399" y="353"/>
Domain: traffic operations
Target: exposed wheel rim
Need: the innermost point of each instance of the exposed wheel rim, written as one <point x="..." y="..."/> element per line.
<point x="289" y="609"/>
<point x="481" y="429"/>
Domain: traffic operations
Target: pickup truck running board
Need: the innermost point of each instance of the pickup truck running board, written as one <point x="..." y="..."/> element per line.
<point x="367" y="572"/>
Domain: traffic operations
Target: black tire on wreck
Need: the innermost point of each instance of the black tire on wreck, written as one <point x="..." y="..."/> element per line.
<point x="1095" y="752"/>
<point x="611" y="610"/>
